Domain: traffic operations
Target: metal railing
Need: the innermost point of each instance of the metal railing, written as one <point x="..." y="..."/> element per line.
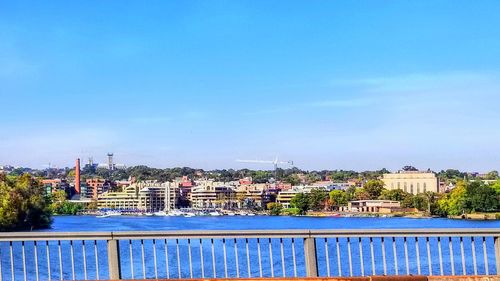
<point x="228" y="254"/>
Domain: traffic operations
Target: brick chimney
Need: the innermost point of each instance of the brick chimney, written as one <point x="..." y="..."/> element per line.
<point x="77" y="176"/>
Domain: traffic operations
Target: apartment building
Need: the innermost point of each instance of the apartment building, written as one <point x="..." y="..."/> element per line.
<point x="413" y="182"/>
<point x="96" y="186"/>
<point x="285" y="196"/>
<point x="210" y="194"/>
<point x="53" y="185"/>
<point x="149" y="196"/>
<point x="155" y="196"/>
<point x="257" y="193"/>
<point x="127" y="199"/>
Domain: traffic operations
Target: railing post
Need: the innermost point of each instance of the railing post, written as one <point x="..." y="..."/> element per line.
<point x="497" y="253"/>
<point x="114" y="259"/>
<point x="310" y="257"/>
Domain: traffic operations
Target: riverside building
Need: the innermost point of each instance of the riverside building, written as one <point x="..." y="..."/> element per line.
<point x="149" y="196"/>
<point x="413" y="182"/>
<point x="210" y="194"/>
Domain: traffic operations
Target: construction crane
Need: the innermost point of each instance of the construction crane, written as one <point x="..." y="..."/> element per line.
<point x="275" y="163"/>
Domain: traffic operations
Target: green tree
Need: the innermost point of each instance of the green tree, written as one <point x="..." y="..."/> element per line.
<point x="58" y="199"/>
<point x="343" y="175"/>
<point x="394" y="195"/>
<point x="317" y="199"/>
<point x="338" y="198"/>
<point x="292" y="179"/>
<point x="454" y="202"/>
<point x="301" y="202"/>
<point x="61" y="206"/>
<point x="480" y="197"/>
<point x="374" y="188"/>
<point x="274" y="208"/>
<point x="469" y="198"/>
<point x="496" y="187"/>
<point x="23" y="205"/>
<point x="361" y="194"/>
<point x="350" y="193"/>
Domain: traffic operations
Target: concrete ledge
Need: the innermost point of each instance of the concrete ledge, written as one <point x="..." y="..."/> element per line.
<point x="368" y="278"/>
<point x="398" y="278"/>
<point x="465" y="278"/>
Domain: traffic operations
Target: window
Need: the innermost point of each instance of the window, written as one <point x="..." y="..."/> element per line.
<point x="392" y="185"/>
<point x="399" y="185"/>
<point x="418" y="189"/>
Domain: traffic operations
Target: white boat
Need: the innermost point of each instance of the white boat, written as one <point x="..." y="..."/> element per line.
<point x="175" y="213"/>
<point x="231" y="214"/>
<point x="251" y="214"/>
<point x="109" y="214"/>
<point x="149" y="214"/>
<point x="214" y="214"/>
<point x="189" y="215"/>
<point x="160" y="214"/>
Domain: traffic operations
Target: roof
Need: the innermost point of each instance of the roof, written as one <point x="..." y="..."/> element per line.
<point x="375" y="201"/>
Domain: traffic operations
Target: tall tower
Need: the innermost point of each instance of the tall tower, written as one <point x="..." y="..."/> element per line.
<point x="111" y="166"/>
<point x="77" y="176"/>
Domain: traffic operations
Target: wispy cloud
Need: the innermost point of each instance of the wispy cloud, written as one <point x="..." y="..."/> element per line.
<point x="425" y="82"/>
<point x="146" y="120"/>
<point x="342" y="103"/>
<point x="316" y="104"/>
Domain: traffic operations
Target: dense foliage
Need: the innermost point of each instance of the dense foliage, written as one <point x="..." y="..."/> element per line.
<point x="61" y="206"/>
<point x="23" y="205"/>
<point x="274" y="208"/>
<point x="471" y="197"/>
<point x="316" y="200"/>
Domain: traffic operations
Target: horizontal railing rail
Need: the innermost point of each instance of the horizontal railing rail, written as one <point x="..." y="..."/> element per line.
<point x="247" y="253"/>
<point x="300" y="233"/>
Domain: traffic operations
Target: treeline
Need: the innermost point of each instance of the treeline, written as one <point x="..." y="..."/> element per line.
<point x="292" y="175"/>
<point x="470" y="197"/>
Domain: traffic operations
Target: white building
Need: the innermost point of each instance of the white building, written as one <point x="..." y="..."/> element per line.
<point x="413" y="182"/>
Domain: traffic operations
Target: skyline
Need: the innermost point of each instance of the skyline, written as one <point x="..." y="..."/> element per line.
<point x="329" y="85"/>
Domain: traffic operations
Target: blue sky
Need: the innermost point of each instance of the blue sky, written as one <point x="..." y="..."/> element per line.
<point x="327" y="84"/>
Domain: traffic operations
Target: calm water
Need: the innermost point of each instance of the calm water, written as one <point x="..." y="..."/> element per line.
<point x="123" y="223"/>
<point x="172" y="256"/>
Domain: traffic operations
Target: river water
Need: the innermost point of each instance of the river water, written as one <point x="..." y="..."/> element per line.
<point x="124" y="223"/>
<point x="252" y="257"/>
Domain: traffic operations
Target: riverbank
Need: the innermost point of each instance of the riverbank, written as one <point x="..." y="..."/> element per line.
<point x="416" y="215"/>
